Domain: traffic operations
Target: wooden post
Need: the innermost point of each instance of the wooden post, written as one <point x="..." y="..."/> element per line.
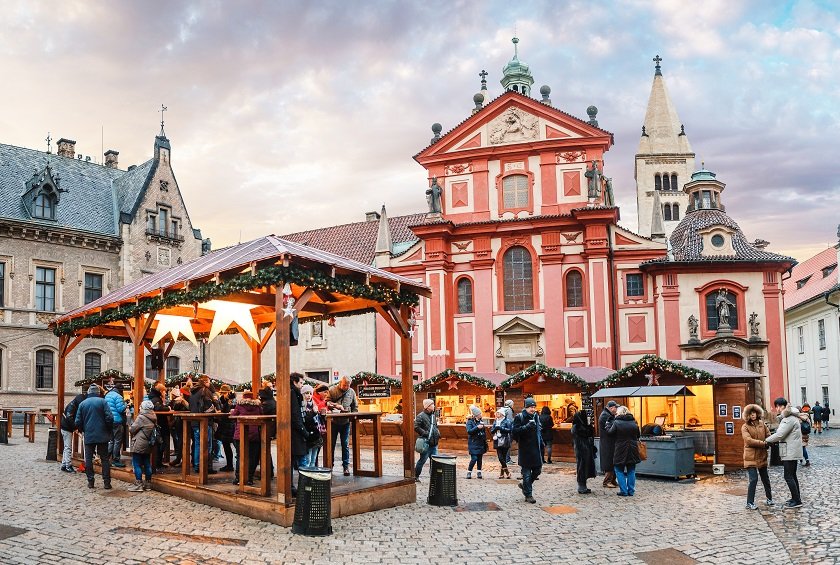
<point x="62" y="346"/>
<point x="409" y="411"/>
<point x="256" y="365"/>
<point x="139" y="370"/>
<point x="281" y="372"/>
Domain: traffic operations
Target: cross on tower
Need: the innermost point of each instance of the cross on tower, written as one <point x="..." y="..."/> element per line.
<point x="658" y="60"/>
<point x="483" y="74"/>
<point x="162" y="110"/>
<point x="48" y="140"/>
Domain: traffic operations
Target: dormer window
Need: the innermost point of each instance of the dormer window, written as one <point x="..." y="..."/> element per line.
<point x="802" y="282"/>
<point x="828" y="270"/>
<point x="42" y="194"/>
<point x="44" y="207"/>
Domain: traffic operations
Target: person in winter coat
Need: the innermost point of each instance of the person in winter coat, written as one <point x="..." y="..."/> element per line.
<point x="95" y="419"/>
<point x="178" y="404"/>
<point x="425" y="426"/>
<point x="583" y="439"/>
<point x="509" y="414"/>
<point x="817" y="411"/>
<point x="625" y="431"/>
<point x="826" y="414"/>
<point x="607" y="445"/>
<point x="115" y="401"/>
<point x="805" y="429"/>
<point x="68" y="425"/>
<point x="269" y="406"/>
<point x="547" y="429"/>
<point x="526" y="431"/>
<point x="476" y="440"/>
<point x="341" y="398"/>
<point x="319" y="397"/>
<point x="141" y="431"/>
<point x="755" y="432"/>
<point x="299" y="435"/>
<point x="501" y="431"/>
<point x="247" y="406"/>
<point x="224" y="433"/>
<point x="789" y="437"/>
<point x="312" y="423"/>
<point x="156" y="397"/>
<point x="203" y="400"/>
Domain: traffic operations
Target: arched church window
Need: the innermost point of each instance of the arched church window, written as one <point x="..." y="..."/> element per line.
<point x="465" y="296"/>
<point x="714" y="305"/>
<point x="574" y="289"/>
<point x="657" y="181"/>
<point x="675" y="214"/>
<point x="515" y="191"/>
<point x="666" y="182"/>
<point x="518" y="279"/>
<point x="666" y="213"/>
<point x="674" y="184"/>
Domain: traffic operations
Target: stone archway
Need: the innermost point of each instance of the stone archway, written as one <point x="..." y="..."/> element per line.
<point x="728" y="358"/>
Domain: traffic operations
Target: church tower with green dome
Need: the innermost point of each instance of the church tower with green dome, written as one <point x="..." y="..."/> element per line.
<point x="516" y="75"/>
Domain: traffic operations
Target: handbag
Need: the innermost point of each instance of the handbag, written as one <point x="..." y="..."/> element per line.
<point x="642" y="450"/>
<point x="421" y="446"/>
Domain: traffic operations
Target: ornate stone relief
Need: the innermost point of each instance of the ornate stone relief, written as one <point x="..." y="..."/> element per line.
<point x="512" y="126"/>
<point x="458" y="169"/>
<point x="572" y="237"/>
<point x="571" y="156"/>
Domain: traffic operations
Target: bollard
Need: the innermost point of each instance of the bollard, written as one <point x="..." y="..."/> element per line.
<point x="4" y="437"/>
<point x="52" y="445"/>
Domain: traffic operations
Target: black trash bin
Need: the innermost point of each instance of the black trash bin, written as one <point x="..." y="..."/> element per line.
<point x="313" y="507"/>
<point x="4" y="430"/>
<point x="52" y="445"/>
<point x="442" y="489"/>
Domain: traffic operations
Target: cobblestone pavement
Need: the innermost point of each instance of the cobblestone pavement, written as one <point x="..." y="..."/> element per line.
<point x="64" y="522"/>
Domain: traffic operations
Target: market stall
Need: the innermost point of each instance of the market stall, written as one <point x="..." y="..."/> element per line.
<point x="710" y="415"/>
<point x="564" y="390"/>
<point x="379" y="394"/>
<point x="454" y="392"/>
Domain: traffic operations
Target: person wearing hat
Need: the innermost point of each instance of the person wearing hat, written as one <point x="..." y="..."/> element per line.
<point x="142" y="433"/>
<point x="156" y="396"/>
<point x="178" y="404"/>
<point x="224" y="433"/>
<point x="476" y="440"/>
<point x="247" y="406"/>
<point x="203" y="399"/>
<point x="95" y="419"/>
<point x="607" y="445"/>
<point x="425" y="426"/>
<point x="526" y="431"/>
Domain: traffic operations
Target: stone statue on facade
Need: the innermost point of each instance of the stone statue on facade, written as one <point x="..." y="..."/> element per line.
<point x="693" y="325"/>
<point x="433" y="194"/>
<point x="206" y="246"/>
<point x="594" y="176"/>
<point x="754" y="323"/>
<point x="609" y="199"/>
<point x="723" y="304"/>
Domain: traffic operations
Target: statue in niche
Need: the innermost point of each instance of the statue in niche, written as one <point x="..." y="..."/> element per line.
<point x="433" y="197"/>
<point x="693" y="325"/>
<point x="609" y="199"/>
<point x="723" y="304"/>
<point x="594" y="176"/>
<point x="205" y="246"/>
<point x="754" y="323"/>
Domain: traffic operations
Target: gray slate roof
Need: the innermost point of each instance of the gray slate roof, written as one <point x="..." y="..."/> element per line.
<point x="687" y="243"/>
<point x="95" y="194"/>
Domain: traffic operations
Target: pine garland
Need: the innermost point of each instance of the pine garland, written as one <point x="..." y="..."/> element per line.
<point x="548" y="372"/>
<point x="176" y="380"/>
<point x="272" y="378"/>
<point x="648" y="362"/>
<point x="365" y="376"/>
<point x="311" y="278"/>
<point x="115" y="374"/>
<point x="466" y="377"/>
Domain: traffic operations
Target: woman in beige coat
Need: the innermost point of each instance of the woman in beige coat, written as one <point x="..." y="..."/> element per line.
<point x="755" y="432"/>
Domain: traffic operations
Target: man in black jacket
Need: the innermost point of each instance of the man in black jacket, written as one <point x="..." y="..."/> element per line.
<point x="526" y="431"/>
<point x="68" y="424"/>
<point x="605" y="451"/>
<point x="203" y="400"/>
<point x="95" y="420"/>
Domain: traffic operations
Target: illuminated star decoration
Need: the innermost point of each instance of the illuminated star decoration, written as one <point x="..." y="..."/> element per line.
<point x="653" y="378"/>
<point x="289" y="309"/>
<point x="453" y="384"/>
<point x="541" y="378"/>
<point x="174" y="325"/>
<point x="228" y="313"/>
<point x="411" y="334"/>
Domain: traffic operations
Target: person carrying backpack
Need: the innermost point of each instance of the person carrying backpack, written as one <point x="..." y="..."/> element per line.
<point x="805" y="428"/>
<point x="145" y="436"/>
<point x="68" y="425"/>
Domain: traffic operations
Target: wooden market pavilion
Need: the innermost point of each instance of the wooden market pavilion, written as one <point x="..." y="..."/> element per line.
<point x="271" y="280"/>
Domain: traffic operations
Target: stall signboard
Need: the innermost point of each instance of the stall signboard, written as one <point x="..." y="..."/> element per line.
<point x="374" y="390"/>
<point x="586" y="403"/>
<point x="500" y="398"/>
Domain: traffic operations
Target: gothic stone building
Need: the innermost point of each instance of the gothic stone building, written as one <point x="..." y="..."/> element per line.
<point x="72" y="230"/>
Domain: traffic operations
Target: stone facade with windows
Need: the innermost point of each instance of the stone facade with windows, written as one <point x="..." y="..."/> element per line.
<point x="69" y="233"/>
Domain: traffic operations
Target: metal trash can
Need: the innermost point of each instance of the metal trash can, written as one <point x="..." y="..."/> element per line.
<point x="442" y="488"/>
<point x="313" y="508"/>
<point x="4" y="430"/>
<point x="52" y="445"/>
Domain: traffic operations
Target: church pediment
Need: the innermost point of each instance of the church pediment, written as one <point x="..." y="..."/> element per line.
<point x="518" y="327"/>
<point x="508" y="120"/>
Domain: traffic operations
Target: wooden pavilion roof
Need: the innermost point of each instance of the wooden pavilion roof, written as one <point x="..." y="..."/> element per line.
<point x="323" y="284"/>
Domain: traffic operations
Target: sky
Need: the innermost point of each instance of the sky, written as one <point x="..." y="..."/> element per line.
<point x="285" y="116"/>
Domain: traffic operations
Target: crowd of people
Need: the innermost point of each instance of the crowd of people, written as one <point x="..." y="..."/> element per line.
<point x="103" y="417"/>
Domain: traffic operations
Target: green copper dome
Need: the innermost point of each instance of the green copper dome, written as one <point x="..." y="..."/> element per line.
<point x="517" y="75"/>
<point x="703" y="174"/>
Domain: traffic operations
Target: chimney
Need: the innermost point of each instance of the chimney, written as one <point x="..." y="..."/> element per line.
<point x="111" y="159"/>
<point x="371" y="216"/>
<point x="66" y="148"/>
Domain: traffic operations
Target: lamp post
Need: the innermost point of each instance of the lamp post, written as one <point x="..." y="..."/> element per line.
<point x="196" y="364"/>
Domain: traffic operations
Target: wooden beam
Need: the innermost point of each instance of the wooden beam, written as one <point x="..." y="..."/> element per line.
<point x="305" y="297"/>
<point x="63" y="345"/>
<point x="130" y="331"/>
<point x="281" y="383"/>
<point x="139" y="370"/>
<point x="71" y="345"/>
<point x="407" y="374"/>
<point x="269" y="332"/>
<point x="326" y="296"/>
<point x="388" y="318"/>
<point x="398" y="317"/>
<point x="254" y="298"/>
<point x="256" y="367"/>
